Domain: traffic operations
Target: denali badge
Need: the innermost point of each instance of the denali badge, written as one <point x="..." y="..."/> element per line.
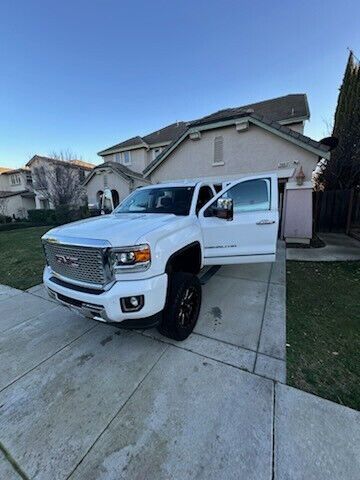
<point x="67" y="260"/>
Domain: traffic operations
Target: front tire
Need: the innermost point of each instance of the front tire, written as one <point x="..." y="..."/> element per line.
<point x="182" y="306"/>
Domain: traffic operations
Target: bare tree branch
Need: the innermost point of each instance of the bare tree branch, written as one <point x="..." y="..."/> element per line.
<point x="60" y="181"/>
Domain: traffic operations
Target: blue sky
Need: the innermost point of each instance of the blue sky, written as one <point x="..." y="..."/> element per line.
<point x="83" y="75"/>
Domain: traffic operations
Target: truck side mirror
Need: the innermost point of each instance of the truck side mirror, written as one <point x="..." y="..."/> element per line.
<point x="224" y="208"/>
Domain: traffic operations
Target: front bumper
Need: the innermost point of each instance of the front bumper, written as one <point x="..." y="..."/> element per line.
<point x="106" y="306"/>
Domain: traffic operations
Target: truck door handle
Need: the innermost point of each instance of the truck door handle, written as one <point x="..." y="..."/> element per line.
<point x="265" y="222"/>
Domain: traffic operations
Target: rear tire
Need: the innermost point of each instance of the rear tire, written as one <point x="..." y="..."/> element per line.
<point x="182" y="306"/>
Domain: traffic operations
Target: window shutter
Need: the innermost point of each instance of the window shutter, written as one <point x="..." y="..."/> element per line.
<point x="218" y="150"/>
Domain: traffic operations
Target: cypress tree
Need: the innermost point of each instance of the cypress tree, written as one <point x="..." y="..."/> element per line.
<point x="343" y="169"/>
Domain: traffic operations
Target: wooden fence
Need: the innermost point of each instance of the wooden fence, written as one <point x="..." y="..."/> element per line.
<point x="336" y="211"/>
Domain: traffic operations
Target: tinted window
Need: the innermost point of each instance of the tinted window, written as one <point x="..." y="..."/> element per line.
<point x="176" y="200"/>
<point x="205" y="194"/>
<point x="251" y="195"/>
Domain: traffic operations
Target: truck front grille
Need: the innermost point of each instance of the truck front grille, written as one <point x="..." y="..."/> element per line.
<point x="81" y="264"/>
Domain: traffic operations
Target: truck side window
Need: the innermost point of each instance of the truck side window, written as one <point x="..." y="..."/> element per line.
<point x="205" y="194"/>
<point x="250" y="195"/>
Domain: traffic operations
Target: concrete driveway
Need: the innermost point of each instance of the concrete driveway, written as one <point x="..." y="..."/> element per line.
<point x="83" y="400"/>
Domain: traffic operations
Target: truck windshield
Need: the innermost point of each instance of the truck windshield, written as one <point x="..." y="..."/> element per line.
<point x="176" y="200"/>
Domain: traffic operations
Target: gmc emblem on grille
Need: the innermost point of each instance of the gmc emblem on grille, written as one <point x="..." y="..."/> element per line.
<point x="68" y="260"/>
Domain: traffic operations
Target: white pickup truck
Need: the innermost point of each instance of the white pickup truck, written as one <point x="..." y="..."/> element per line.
<point x="138" y="266"/>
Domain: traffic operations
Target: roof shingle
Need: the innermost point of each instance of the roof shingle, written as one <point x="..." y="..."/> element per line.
<point x="274" y="110"/>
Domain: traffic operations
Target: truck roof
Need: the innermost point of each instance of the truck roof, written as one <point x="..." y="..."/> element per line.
<point x="175" y="183"/>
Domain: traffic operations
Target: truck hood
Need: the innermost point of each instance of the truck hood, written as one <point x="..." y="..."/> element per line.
<point x="118" y="229"/>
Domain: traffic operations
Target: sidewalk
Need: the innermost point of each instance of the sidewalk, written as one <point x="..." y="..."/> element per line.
<point x="339" y="247"/>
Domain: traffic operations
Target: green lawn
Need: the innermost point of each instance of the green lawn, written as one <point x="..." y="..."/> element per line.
<point x="323" y="329"/>
<point x="21" y="257"/>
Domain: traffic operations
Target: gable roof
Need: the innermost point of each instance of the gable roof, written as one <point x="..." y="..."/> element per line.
<point x="208" y="123"/>
<point x="71" y="163"/>
<point x="7" y="194"/>
<point x="4" y="170"/>
<point x="288" y="109"/>
<point x="122" y="170"/>
<point x="15" y="170"/>
<point x="164" y="135"/>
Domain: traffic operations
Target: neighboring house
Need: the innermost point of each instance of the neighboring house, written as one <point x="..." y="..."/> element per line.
<point x="16" y="192"/>
<point x="255" y="138"/>
<point x="43" y="172"/>
<point x="114" y="176"/>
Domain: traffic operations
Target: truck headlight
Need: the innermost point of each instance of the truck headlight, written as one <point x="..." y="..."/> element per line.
<point x="130" y="259"/>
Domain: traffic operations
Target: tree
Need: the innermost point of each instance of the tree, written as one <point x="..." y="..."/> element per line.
<point x="342" y="171"/>
<point x="3" y="208"/>
<point x="60" y="180"/>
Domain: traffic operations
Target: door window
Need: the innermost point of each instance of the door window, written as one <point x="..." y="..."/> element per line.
<point x="250" y="195"/>
<point x="205" y="194"/>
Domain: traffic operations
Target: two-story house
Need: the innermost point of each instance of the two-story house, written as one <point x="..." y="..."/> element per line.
<point x="16" y="192"/>
<point x="256" y="138"/>
<point x="28" y="188"/>
<point x="46" y="173"/>
<point x="124" y="163"/>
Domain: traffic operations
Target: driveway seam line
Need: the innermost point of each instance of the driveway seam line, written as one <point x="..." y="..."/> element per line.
<point x="48" y="358"/>
<point x="118" y="411"/>
<point x="13" y="462"/>
<point x="263" y="316"/>
<point x="210" y="358"/>
<point x="220" y="341"/>
<point x="273" y="436"/>
<point x="39" y="296"/>
<point x="31" y="318"/>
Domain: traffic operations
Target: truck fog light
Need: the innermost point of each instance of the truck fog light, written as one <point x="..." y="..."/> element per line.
<point x="134" y="301"/>
<point x="132" y="304"/>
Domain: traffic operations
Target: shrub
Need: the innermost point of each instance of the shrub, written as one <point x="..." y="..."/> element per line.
<point x="42" y="217"/>
<point x="5" y="219"/>
<point x="5" y="227"/>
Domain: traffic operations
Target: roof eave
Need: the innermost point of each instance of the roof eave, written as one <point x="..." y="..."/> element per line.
<point x="290" y="120"/>
<point x="224" y="123"/>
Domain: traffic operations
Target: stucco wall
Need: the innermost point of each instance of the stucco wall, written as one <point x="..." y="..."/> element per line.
<point x="18" y="206"/>
<point x="138" y="159"/>
<point x="298" y="212"/>
<point x="5" y="182"/>
<point x="114" y="182"/>
<point x="255" y="150"/>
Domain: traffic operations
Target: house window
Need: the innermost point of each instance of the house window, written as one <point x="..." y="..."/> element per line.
<point x="218" y="151"/>
<point x="81" y="175"/>
<point x="126" y="158"/>
<point x="156" y="152"/>
<point x="117" y="157"/>
<point x="15" y="179"/>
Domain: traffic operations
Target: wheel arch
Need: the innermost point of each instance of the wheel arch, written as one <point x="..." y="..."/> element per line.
<point x="187" y="259"/>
